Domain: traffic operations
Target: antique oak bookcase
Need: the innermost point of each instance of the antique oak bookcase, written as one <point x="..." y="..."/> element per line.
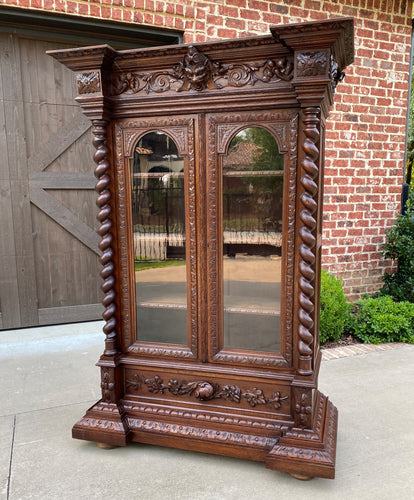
<point x="209" y="160"/>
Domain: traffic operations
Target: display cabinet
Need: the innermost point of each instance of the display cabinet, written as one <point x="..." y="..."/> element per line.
<point x="209" y="160"/>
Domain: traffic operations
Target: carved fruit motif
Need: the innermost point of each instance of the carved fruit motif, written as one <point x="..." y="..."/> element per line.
<point x="205" y="391"/>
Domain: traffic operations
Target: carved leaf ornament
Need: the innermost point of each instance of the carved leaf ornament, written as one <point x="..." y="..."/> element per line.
<point x="88" y="83"/>
<point x="205" y="391"/>
<point x="197" y="72"/>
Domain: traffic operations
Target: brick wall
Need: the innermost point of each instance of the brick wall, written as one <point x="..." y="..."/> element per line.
<point x="366" y="129"/>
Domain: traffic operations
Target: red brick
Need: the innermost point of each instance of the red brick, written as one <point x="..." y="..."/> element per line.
<point x="150" y="5"/>
<point x="148" y="18"/>
<point x="235" y="23"/>
<point x="189" y="11"/>
<point x="278" y="9"/>
<point x="225" y="11"/>
<point x="226" y="33"/>
<point x="253" y="15"/>
<point x="237" y="3"/>
<point x="257" y="5"/>
<point x="72" y="7"/>
<point x="216" y="20"/>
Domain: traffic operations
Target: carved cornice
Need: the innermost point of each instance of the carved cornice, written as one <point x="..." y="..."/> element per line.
<point x="326" y="32"/>
<point x="197" y="72"/>
<point x="180" y="50"/>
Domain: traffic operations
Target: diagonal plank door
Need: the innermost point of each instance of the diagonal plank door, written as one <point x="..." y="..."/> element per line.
<point x="49" y="270"/>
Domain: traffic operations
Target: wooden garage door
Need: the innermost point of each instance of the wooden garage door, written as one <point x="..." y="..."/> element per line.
<point x="49" y="271"/>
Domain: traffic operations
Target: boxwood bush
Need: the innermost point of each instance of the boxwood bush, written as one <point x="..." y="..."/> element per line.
<point x="334" y="310"/>
<point x="381" y="319"/>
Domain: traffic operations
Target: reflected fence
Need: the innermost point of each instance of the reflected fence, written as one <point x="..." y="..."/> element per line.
<point x="251" y="223"/>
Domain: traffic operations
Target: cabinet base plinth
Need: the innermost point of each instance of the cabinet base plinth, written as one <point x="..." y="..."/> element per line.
<point x="307" y="453"/>
<point x="303" y="453"/>
<point x="105" y="424"/>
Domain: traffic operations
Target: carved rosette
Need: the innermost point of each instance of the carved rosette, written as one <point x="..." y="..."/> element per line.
<point x="308" y="206"/>
<point x="107" y="385"/>
<point x="303" y="409"/>
<point x="105" y="245"/>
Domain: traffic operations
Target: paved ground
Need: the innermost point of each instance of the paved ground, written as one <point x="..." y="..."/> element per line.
<point x="48" y="379"/>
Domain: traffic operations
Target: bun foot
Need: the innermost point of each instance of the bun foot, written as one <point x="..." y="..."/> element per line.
<point x="106" y="446"/>
<point x="301" y="477"/>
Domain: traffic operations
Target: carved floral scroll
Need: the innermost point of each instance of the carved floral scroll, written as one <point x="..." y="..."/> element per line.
<point x="197" y="72"/>
<point x="206" y="391"/>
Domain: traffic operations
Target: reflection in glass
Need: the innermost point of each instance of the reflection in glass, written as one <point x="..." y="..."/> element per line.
<point x="158" y="220"/>
<point x="252" y="225"/>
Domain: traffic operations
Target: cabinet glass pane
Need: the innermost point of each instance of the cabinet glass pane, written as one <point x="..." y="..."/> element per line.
<point x="252" y="226"/>
<point x="158" y="218"/>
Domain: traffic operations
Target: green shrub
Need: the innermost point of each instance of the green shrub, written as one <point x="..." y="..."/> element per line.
<point x="334" y="310"/>
<point x="380" y="319"/>
<point x="400" y="248"/>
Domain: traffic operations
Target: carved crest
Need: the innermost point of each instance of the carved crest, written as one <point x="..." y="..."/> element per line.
<point x="197" y="72"/>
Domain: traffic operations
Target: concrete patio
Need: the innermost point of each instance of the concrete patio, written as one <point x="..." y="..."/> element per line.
<point x="48" y="380"/>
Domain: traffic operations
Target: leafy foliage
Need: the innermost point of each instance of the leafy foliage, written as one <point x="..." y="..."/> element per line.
<point x="334" y="310"/>
<point x="380" y="319"/>
<point x="410" y="138"/>
<point x="400" y="248"/>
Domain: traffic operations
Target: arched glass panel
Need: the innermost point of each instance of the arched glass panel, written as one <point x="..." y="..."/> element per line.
<point x="252" y="239"/>
<point x="158" y="220"/>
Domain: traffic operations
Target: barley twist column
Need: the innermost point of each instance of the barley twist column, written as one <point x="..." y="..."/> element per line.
<point x="308" y="206"/>
<point x="104" y="231"/>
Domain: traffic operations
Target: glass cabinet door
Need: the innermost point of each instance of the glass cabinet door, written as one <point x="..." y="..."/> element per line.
<point x="159" y="239"/>
<point x="252" y="201"/>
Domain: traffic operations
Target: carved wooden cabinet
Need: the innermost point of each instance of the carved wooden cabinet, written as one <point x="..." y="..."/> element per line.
<point x="209" y="160"/>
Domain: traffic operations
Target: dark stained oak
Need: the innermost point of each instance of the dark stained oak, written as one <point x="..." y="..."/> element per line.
<point x="199" y="394"/>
